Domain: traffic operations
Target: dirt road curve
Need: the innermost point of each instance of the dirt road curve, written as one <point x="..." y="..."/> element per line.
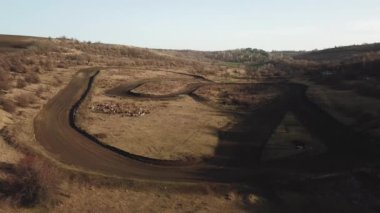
<point x="237" y="157"/>
<point x="54" y="132"/>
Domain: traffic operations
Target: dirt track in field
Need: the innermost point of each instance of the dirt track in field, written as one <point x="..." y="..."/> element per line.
<point x="237" y="156"/>
<point x="55" y="131"/>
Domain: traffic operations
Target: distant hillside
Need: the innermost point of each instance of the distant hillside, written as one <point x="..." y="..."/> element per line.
<point x="340" y="53"/>
<point x="246" y="55"/>
<point x="18" y="42"/>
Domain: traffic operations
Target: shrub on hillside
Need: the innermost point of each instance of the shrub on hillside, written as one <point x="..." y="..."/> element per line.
<point x="32" y="182"/>
<point x="40" y="90"/>
<point x="78" y="59"/>
<point x="47" y="64"/>
<point x="4" y="80"/>
<point x="21" y="83"/>
<point x="7" y="105"/>
<point x="15" y="65"/>
<point x="32" y="78"/>
<point x="24" y="100"/>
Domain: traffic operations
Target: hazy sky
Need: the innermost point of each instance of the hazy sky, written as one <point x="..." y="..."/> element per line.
<point x="199" y="24"/>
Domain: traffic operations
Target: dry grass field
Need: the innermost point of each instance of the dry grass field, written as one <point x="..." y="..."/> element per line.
<point x="180" y="128"/>
<point x="147" y="130"/>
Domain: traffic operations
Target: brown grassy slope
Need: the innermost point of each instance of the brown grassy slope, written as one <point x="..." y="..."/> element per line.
<point x="23" y="59"/>
<point x="34" y="73"/>
<point x="340" y="53"/>
<point x="346" y="83"/>
<point x="20" y="42"/>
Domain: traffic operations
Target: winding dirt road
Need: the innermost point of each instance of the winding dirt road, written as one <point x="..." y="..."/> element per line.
<point x="55" y="129"/>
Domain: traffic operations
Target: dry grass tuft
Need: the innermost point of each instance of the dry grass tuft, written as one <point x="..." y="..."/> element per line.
<point x="4" y="80"/>
<point x="32" y="78"/>
<point x="40" y="90"/>
<point x="7" y="105"/>
<point x="21" y="83"/>
<point x="24" y="100"/>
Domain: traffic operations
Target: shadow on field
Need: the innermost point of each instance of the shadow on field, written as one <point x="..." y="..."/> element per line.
<point x="242" y="145"/>
<point x="338" y="180"/>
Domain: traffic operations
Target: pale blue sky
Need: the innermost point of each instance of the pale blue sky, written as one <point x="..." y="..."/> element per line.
<point x="199" y="24"/>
